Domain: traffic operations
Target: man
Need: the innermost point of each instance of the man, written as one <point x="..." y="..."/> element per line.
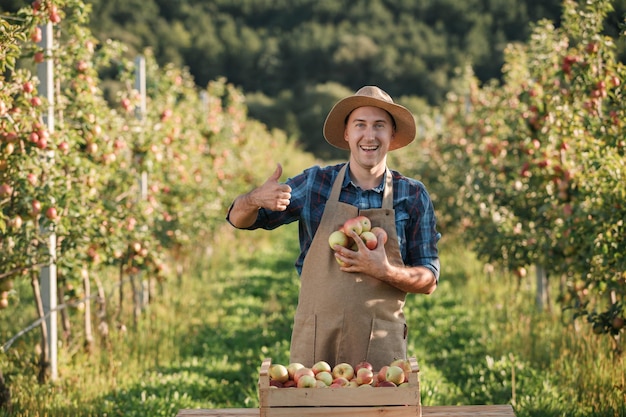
<point x="353" y="312"/>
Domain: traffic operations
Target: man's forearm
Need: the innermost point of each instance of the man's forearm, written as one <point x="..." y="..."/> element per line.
<point x="243" y="212"/>
<point x="413" y="279"/>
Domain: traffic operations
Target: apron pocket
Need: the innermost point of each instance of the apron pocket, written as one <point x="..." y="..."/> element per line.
<point x="387" y="342"/>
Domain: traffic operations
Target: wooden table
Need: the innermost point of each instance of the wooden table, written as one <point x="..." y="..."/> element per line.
<point x="427" y="411"/>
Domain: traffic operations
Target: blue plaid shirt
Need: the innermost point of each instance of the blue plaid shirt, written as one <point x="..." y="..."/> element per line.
<point x="415" y="216"/>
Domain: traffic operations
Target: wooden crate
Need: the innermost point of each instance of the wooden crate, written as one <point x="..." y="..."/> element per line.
<point x="340" y="402"/>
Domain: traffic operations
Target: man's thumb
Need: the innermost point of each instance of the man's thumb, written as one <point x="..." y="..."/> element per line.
<point x="277" y="173"/>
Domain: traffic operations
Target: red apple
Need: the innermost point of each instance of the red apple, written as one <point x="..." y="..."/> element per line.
<point x="388" y="384"/>
<point x="343" y="370"/>
<point x="353" y="224"/>
<point x="5" y="190"/>
<point x="302" y="372"/>
<point x="379" y="231"/>
<point x="382" y="373"/>
<point x="370" y="240"/>
<point x="363" y="364"/>
<point x="51" y="213"/>
<point x="364" y="376"/>
<point x="340" y="382"/>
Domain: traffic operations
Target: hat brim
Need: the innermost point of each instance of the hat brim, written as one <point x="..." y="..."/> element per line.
<point x="335" y="124"/>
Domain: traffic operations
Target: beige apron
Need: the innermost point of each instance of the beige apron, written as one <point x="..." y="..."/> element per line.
<point x="344" y="316"/>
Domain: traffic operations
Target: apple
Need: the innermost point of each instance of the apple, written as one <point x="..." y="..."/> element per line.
<point x="302" y="372"/>
<point x="366" y="223"/>
<point x="292" y="368"/>
<point x="363" y="364"/>
<point x="405" y="365"/>
<point x="339" y="382"/>
<point x="5" y="190"/>
<point x="321" y="366"/>
<point x="343" y="370"/>
<point x="386" y="384"/>
<point x="276" y="384"/>
<point x="320" y="384"/>
<point x="364" y="376"/>
<point x="278" y="373"/>
<point x="306" y="381"/>
<point x="379" y="231"/>
<point x="370" y="240"/>
<point x="394" y="374"/>
<point x="337" y="238"/>
<point x="352" y="384"/>
<point x="290" y="384"/>
<point x="324" y="376"/>
<point x="353" y="224"/>
<point x="382" y="373"/>
<point x="36" y="207"/>
<point x="4" y="303"/>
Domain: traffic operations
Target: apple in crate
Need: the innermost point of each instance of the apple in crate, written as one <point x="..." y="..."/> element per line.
<point x="307" y="381"/>
<point x="293" y="367"/>
<point x="325" y="377"/>
<point x="343" y="370"/>
<point x="321" y="366"/>
<point x="302" y="372"/>
<point x="395" y="374"/>
<point x="364" y="376"/>
<point x="278" y="373"/>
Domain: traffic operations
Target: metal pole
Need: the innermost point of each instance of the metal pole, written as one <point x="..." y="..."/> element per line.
<point x="48" y="274"/>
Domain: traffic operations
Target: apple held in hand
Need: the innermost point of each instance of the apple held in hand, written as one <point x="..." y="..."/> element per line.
<point x="353" y="224"/>
<point x="338" y="237"/>
<point x="370" y="240"/>
<point x="366" y="223"/>
<point x="380" y="231"/>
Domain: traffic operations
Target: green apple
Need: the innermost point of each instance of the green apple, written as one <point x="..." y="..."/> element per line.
<point x="337" y="237"/>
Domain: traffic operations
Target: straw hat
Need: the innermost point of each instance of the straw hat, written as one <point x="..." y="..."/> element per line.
<point x="369" y="96"/>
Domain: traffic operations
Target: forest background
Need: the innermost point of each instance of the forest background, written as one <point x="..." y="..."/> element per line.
<point x="294" y="59"/>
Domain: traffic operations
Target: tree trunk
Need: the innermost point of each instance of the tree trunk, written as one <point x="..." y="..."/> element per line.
<point x="5" y="395"/>
<point x="87" y="311"/>
<point x="65" y="317"/>
<point x="44" y="363"/>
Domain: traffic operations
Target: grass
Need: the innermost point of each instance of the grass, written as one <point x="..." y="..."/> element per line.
<point x="478" y="338"/>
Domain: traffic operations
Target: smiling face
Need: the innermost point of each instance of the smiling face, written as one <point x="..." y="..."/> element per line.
<point x="369" y="131"/>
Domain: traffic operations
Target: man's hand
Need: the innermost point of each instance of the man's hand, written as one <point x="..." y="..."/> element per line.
<point x="272" y="195"/>
<point x="367" y="261"/>
<point x="374" y="262"/>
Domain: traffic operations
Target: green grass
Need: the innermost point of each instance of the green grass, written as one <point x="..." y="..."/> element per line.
<point x="478" y="339"/>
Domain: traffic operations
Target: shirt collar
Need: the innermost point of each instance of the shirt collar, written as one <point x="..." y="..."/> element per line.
<point x="348" y="181"/>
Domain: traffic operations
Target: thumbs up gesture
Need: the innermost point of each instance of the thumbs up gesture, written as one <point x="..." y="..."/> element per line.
<point x="273" y="195"/>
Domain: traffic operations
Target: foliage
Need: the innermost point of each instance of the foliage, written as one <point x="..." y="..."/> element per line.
<point x="533" y="168"/>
